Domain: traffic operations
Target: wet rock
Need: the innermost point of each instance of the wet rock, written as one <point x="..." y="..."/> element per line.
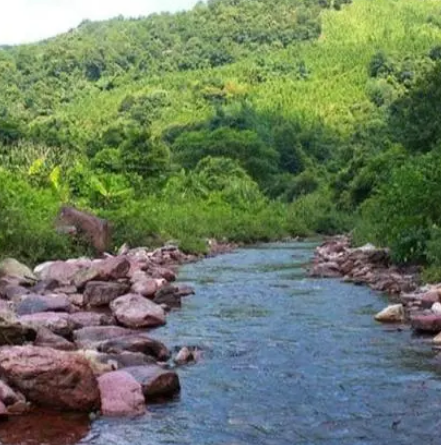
<point x="57" y="322"/>
<point x="183" y="290"/>
<point x="155" y="381"/>
<point x="102" y="293"/>
<point x="121" y="395"/>
<point x="88" y="319"/>
<point x="172" y="295"/>
<point x="92" y="337"/>
<point x="135" y="311"/>
<point x="391" y="314"/>
<point x="136" y="343"/>
<point x="10" y="267"/>
<point x="33" y="304"/>
<point x="47" y="339"/>
<point x="51" y="378"/>
<point x="426" y="323"/>
<point x="184" y="356"/>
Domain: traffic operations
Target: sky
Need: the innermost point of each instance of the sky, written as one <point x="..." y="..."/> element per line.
<point x="25" y="21"/>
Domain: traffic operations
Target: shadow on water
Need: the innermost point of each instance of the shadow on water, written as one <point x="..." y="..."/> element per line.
<point x="287" y="359"/>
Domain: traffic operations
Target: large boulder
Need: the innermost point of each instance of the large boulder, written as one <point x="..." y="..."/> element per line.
<point x="391" y="314"/>
<point x="57" y="322"/>
<point x="34" y="303"/>
<point x="156" y="382"/>
<point x="92" y="337"/>
<point x="51" y="378"/>
<point x="10" y="267"/>
<point x="135" y="311"/>
<point x="136" y="343"/>
<point x="121" y="395"/>
<point x="101" y="293"/>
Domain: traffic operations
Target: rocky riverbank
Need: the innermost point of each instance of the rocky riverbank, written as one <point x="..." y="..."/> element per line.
<point x="414" y="304"/>
<point x="76" y="335"/>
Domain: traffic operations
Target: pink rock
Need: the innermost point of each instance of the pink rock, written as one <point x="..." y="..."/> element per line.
<point x="121" y="395"/>
<point x="51" y="378"/>
<point x="114" y="268"/>
<point x="426" y="323"/>
<point x="60" y="271"/>
<point x="148" y="286"/>
<point x="135" y="311"/>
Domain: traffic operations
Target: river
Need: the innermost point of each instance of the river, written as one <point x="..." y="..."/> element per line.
<point x="287" y="360"/>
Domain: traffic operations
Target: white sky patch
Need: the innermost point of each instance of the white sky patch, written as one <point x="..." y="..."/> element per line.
<point x="24" y="21"/>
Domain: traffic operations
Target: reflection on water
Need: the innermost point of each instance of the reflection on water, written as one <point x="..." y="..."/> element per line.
<point x="44" y="428"/>
<point x="287" y="360"/>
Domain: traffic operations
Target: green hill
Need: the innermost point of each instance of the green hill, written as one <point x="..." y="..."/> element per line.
<point x="244" y="119"/>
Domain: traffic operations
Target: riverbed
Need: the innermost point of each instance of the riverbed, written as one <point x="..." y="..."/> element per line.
<point x="287" y="359"/>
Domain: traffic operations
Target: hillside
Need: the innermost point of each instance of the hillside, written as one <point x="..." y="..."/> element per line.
<point x="241" y="118"/>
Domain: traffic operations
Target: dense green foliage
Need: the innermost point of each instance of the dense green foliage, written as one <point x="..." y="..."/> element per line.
<point x="240" y="119"/>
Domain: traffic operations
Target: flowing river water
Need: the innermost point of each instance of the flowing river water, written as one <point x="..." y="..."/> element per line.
<point x="287" y="360"/>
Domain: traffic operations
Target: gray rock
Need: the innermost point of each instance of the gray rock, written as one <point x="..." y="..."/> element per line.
<point x="102" y="293"/>
<point x="155" y="381"/>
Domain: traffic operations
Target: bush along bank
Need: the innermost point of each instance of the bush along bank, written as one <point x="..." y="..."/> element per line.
<point x="414" y="304"/>
<point x="75" y="335"/>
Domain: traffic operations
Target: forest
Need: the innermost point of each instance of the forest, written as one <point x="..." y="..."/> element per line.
<point x="241" y="120"/>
